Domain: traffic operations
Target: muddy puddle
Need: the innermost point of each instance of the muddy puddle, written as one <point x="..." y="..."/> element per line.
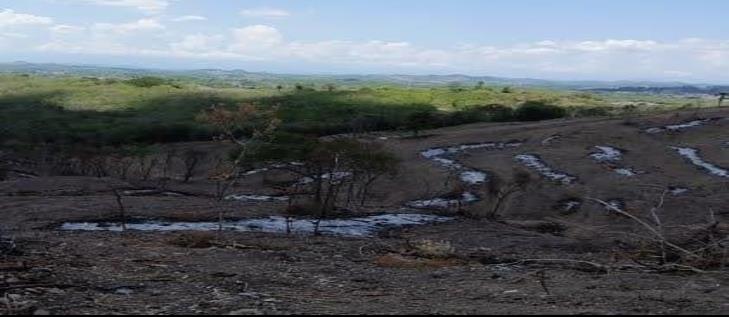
<point x="443" y="203"/>
<point x="610" y="157"/>
<point x="350" y="227"/>
<point x="151" y="192"/>
<point x="693" y="156"/>
<point x="335" y="177"/>
<point x="536" y="163"/>
<point x="257" y="198"/>
<point x="678" y="191"/>
<point x="681" y="126"/>
<point x="614" y="204"/>
<point x="446" y="157"/>
<point x="569" y="206"/>
<point x="270" y="168"/>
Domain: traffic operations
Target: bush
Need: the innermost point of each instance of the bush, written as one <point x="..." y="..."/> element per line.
<point x="147" y="82"/>
<point x="421" y="120"/>
<point x="537" y="111"/>
<point x="492" y="113"/>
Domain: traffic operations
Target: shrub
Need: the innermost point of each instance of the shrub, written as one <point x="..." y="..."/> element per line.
<point x="493" y="113"/>
<point x="147" y="82"/>
<point x="420" y="120"/>
<point x="537" y="111"/>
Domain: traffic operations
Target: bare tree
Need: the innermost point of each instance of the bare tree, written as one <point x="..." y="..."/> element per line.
<point x="146" y="165"/>
<point x="247" y="127"/>
<point x="501" y="191"/>
<point x="167" y="166"/>
<point x="122" y="162"/>
<point x="4" y="166"/>
<point x="372" y="163"/>
<point x="121" y="208"/>
<point x="192" y="159"/>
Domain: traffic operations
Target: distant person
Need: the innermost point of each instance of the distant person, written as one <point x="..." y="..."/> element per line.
<point x="722" y="96"/>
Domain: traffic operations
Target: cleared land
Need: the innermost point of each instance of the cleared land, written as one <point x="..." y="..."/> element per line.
<point x="468" y="265"/>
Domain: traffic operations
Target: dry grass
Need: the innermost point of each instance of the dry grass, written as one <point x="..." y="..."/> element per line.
<point x="433" y="249"/>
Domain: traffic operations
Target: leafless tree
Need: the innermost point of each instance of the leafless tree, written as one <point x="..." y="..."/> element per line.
<point x="121" y="208"/>
<point x="260" y="126"/>
<point x="192" y="160"/>
<point x="501" y="191"/>
<point x="146" y="165"/>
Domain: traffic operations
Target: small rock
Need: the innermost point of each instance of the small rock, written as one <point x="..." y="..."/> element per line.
<point x="124" y="291"/>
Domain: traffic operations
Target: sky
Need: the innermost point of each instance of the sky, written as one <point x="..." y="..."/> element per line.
<point x="664" y="40"/>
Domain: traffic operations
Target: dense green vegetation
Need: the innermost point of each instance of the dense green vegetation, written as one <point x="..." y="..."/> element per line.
<point x="98" y="111"/>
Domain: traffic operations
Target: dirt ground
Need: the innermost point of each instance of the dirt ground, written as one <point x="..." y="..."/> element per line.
<point x="512" y="266"/>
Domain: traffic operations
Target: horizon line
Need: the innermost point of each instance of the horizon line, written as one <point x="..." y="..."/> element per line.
<point x="565" y="81"/>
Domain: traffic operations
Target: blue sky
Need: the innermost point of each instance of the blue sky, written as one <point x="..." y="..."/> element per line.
<point x="554" y="39"/>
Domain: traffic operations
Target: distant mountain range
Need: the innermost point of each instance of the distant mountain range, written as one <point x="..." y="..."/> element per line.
<point x="242" y="78"/>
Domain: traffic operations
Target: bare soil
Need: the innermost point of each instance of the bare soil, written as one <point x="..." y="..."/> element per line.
<point x="532" y="261"/>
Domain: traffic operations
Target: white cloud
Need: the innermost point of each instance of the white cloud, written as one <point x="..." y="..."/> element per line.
<point x="146" y="6"/>
<point x="132" y="38"/>
<point x="268" y="13"/>
<point x="66" y="29"/>
<point x="131" y="27"/>
<point x="198" y="43"/>
<point x="255" y="38"/>
<point x="189" y="18"/>
<point x="614" y="45"/>
<point x="10" y="18"/>
<point x="688" y="59"/>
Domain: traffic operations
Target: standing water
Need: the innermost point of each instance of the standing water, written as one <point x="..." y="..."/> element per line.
<point x="352" y="227"/>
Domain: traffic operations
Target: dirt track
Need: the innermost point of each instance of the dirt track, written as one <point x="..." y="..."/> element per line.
<point x="103" y="272"/>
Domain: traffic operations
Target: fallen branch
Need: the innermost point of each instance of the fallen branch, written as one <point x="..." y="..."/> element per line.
<point x="233" y="246"/>
<point x="650" y="228"/>
<point x="598" y="267"/>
